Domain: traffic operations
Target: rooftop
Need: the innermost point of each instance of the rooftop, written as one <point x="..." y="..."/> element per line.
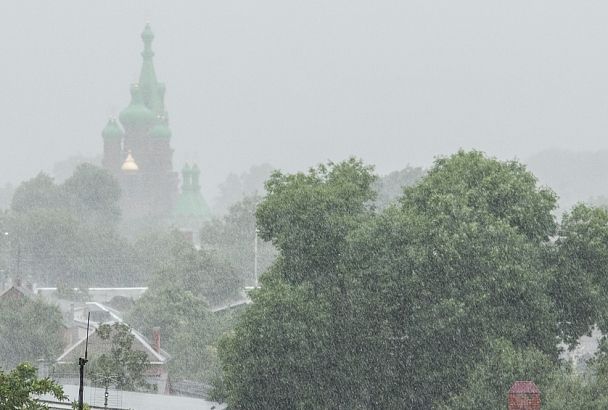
<point x="139" y="401"/>
<point x="524" y="387"/>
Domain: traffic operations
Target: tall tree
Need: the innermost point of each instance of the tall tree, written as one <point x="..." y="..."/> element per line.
<point x="292" y="344"/>
<point x="175" y="262"/>
<point x="579" y="281"/>
<point x="38" y="192"/>
<point x="29" y="330"/>
<point x="187" y="326"/>
<point x="67" y="233"/>
<point x="233" y="237"/>
<point x="404" y="301"/>
<point x="307" y="217"/>
<point x="92" y="194"/>
<point x="121" y="365"/>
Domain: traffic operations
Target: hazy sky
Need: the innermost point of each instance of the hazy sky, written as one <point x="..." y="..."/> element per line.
<point x="294" y="83"/>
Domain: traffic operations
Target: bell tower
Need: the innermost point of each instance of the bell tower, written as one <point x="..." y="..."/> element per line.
<point x="151" y="189"/>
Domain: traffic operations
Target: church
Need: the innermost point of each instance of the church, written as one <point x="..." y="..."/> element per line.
<point x="137" y="151"/>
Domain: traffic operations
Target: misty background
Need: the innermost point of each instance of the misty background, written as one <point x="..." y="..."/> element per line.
<point x="296" y="83"/>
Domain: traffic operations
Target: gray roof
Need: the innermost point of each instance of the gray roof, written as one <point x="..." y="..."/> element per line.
<point x="156" y="357"/>
<point x="139" y="401"/>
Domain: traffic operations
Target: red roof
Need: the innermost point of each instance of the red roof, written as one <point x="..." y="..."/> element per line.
<point x="521" y="387"/>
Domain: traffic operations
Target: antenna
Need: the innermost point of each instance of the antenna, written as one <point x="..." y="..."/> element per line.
<point x="81" y="363"/>
<point x="86" y="345"/>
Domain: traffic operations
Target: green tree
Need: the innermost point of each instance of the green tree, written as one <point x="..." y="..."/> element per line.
<point x="67" y="233"/>
<point x="38" y="192"/>
<point x="233" y="238"/>
<point x="580" y="282"/>
<point x="92" y="194"/>
<point x="29" y="330"/>
<point x="290" y="348"/>
<point x="307" y="217"/>
<point x="280" y="354"/>
<point x="457" y="264"/>
<point x="404" y="300"/>
<point x="19" y="388"/>
<point x="206" y="275"/>
<point x="189" y="329"/>
<point x="121" y="366"/>
<point x="505" y="191"/>
<point x="487" y="384"/>
<point x="43" y="245"/>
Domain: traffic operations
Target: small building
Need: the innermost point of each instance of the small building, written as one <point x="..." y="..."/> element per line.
<point x="131" y="400"/>
<point x="16" y="292"/>
<point x="524" y="395"/>
<point x="157" y="373"/>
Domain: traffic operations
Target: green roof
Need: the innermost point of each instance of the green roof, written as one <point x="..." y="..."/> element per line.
<point x="160" y="130"/>
<point x="112" y="130"/>
<point x="191" y="203"/>
<point x="147" y="96"/>
<point x="136" y="115"/>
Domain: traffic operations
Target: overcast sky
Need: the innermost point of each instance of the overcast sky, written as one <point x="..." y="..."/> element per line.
<point x="294" y="83"/>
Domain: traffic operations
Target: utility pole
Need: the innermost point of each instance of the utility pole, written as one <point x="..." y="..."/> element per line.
<point x="81" y="363"/>
<point x="255" y="258"/>
<point x="19" y="260"/>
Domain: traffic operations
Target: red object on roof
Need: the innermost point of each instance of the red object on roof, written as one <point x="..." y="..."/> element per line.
<point x="523" y="387"/>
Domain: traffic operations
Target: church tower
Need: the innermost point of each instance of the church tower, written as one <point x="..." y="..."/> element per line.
<point x="141" y="156"/>
<point x="191" y="210"/>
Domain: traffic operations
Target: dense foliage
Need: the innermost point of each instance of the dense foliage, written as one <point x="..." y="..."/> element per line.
<point x="233" y="238"/>
<point x="67" y="233"/>
<point x="19" y="388"/>
<point x="419" y="305"/>
<point x="120" y="365"/>
<point x="29" y="330"/>
<point x="180" y="265"/>
<point x="188" y="329"/>
<point x="185" y="285"/>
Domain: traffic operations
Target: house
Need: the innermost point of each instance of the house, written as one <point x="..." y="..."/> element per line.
<point x="66" y="364"/>
<point x="16" y="291"/>
<point x="133" y="400"/>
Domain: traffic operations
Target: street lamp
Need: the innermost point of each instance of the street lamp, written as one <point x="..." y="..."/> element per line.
<point x="107" y="379"/>
<point x="105" y="398"/>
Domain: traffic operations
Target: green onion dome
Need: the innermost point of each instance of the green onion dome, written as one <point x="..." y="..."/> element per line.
<point x="136" y="115"/>
<point x="161" y="129"/>
<point x="190" y="203"/>
<point x="112" y="130"/>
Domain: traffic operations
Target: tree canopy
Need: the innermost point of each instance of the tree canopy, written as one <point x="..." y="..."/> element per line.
<point x="401" y="308"/>
<point x="68" y="232"/>
<point x="121" y="365"/>
<point x="29" y="330"/>
<point x="233" y="238"/>
<point x="19" y="388"/>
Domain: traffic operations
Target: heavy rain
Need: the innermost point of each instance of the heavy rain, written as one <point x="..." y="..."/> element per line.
<point x="304" y="205"/>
